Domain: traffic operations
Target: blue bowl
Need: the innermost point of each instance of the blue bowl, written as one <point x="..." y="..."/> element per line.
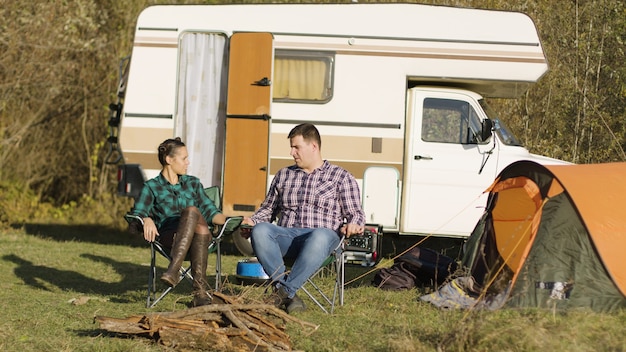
<point x="251" y="269"/>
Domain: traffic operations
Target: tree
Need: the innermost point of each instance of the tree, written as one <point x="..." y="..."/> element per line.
<point x="58" y="74"/>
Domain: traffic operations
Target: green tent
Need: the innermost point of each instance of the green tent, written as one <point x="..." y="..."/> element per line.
<point x="551" y="236"/>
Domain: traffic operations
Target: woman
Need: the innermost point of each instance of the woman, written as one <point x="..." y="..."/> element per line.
<point x="176" y="210"/>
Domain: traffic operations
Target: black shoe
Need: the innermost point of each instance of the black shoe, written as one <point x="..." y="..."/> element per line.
<point x="295" y="304"/>
<point x="278" y="297"/>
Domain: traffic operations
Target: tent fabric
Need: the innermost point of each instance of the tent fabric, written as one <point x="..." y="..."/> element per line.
<point x="562" y="269"/>
<point x="599" y="192"/>
<point x="550" y="236"/>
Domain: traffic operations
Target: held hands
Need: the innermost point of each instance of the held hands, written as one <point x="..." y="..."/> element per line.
<point x="247" y="221"/>
<point x="149" y="230"/>
<point x="352" y="229"/>
<point x="246" y="227"/>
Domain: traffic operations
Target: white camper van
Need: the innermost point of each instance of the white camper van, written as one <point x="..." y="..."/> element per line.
<point x="396" y="91"/>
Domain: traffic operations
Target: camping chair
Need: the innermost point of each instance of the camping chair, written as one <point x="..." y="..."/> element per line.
<point x="219" y="231"/>
<point x="336" y="262"/>
<point x="363" y="249"/>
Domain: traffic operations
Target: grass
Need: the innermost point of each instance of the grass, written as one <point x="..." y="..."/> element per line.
<point x="55" y="278"/>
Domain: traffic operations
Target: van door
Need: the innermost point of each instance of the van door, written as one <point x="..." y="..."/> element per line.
<point x="247" y="122"/>
<point x="447" y="165"/>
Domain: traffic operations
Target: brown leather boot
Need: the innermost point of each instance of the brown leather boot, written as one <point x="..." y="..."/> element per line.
<point x="199" y="254"/>
<point x="182" y="242"/>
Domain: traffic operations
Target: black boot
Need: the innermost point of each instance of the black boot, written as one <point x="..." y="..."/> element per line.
<point x="182" y="242"/>
<point x="199" y="254"/>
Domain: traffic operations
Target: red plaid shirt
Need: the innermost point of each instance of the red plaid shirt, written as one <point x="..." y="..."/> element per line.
<point x="324" y="198"/>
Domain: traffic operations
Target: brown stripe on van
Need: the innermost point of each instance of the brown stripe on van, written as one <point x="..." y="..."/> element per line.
<point x="144" y="139"/>
<point x="156" y="42"/>
<point x="357" y="149"/>
<point x="357" y="169"/>
<point x="426" y="53"/>
<point x="147" y="160"/>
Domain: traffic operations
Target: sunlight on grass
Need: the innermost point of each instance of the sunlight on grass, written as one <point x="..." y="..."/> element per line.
<point x="53" y="284"/>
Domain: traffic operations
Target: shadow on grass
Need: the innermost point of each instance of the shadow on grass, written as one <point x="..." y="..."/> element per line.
<point x="133" y="277"/>
<point x="84" y="233"/>
<point x="392" y="244"/>
<point x="101" y="234"/>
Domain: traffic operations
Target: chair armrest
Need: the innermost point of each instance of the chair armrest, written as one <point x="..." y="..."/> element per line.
<point x="135" y="223"/>
<point x="230" y="225"/>
<point x="131" y="217"/>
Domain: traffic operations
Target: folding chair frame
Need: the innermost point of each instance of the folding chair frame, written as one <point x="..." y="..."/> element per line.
<point x="151" y="299"/>
<point x="337" y="259"/>
<point x="230" y="225"/>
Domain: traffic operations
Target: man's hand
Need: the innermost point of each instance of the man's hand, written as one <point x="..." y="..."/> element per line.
<point x="352" y="229"/>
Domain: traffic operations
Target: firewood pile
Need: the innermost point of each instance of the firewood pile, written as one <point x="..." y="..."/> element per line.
<point x="217" y="327"/>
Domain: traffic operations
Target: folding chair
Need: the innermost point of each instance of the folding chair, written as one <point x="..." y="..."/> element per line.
<point x="219" y="232"/>
<point x="326" y="301"/>
<point x="364" y="249"/>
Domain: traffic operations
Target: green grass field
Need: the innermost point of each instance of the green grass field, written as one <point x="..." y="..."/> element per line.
<point x="55" y="278"/>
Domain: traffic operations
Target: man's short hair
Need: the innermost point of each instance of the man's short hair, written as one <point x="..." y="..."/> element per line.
<point x="309" y="133"/>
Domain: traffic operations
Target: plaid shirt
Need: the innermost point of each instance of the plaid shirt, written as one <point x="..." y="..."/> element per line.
<point x="160" y="199"/>
<point x="323" y="198"/>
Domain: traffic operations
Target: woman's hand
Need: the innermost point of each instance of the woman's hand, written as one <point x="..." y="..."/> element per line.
<point x="150" y="231"/>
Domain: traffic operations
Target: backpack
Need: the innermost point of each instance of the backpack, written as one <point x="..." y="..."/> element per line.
<point x="418" y="266"/>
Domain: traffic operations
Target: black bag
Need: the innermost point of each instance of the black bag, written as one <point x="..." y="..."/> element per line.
<point x="396" y="277"/>
<point x="418" y="266"/>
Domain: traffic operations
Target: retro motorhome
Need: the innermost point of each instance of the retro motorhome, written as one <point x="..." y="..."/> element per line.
<point x="396" y="91"/>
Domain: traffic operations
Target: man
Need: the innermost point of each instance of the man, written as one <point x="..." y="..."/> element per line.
<point x="313" y="202"/>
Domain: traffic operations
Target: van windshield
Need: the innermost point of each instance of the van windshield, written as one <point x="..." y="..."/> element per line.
<point x="506" y="136"/>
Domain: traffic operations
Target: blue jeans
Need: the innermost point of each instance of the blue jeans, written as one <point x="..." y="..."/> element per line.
<point x="309" y="248"/>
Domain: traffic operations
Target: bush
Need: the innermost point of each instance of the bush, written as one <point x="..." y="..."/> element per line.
<point x="20" y="205"/>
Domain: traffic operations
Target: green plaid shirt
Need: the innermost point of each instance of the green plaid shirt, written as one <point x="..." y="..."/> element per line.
<point x="160" y="199"/>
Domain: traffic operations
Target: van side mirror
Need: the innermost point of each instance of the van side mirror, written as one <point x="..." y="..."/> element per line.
<point x="487" y="126"/>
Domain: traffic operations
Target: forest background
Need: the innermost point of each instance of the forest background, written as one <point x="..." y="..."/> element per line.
<point x="59" y="73"/>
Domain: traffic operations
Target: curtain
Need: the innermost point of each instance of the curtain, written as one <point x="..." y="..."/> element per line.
<point x="300" y="78"/>
<point x="201" y="103"/>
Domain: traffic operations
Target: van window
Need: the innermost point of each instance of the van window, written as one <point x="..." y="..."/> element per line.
<point x="450" y="121"/>
<point x="302" y="76"/>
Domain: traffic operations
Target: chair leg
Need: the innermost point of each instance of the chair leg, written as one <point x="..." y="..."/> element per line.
<point x="338" y="287"/>
<point x="183" y="273"/>
<point x="312" y="298"/>
<point x="218" y="267"/>
<point x="340" y="279"/>
<point x="151" y="277"/>
<point x="152" y="298"/>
